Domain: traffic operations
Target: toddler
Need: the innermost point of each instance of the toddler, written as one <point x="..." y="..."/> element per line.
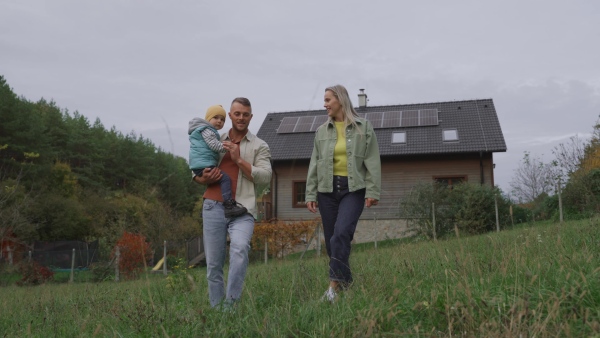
<point x="205" y="150"/>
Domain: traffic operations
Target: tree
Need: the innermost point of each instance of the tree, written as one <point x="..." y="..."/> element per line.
<point x="14" y="216"/>
<point x="531" y="179"/>
<point x="63" y="177"/>
<point x="582" y="193"/>
<point x="569" y="156"/>
<point x="591" y="158"/>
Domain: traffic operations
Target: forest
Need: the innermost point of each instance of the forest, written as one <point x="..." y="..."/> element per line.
<point x="63" y="177"/>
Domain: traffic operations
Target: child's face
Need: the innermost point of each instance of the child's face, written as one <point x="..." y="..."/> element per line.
<point x="217" y="122"/>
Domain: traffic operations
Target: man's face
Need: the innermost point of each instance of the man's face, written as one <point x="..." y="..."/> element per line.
<point x="240" y="116"/>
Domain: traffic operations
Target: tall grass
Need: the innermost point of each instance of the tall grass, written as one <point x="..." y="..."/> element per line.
<point x="541" y="281"/>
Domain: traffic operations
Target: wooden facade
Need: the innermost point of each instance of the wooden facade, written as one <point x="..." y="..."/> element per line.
<point x="399" y="175"/>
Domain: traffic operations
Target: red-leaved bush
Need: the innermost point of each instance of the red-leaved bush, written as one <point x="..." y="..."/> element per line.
<point x="135" y="251"/>
<point x="282" y="236"/>
<point x="34" y="274"/>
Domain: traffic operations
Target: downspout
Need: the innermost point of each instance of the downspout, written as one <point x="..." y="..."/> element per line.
<point x="481" y="166"/>
<point x="484" y="142"/>
<point x="275" y="192"/>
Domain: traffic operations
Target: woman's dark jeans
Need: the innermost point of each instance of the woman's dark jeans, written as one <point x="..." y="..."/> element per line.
<point x="340" y="211"/>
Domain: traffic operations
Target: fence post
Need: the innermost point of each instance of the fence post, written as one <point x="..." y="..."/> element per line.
<point x="512" y="222"/>
<point x="318" y="246"/>
<point x="496" y="206"/>
<point x="10" y="256"/>
<point x="201" y="245"/>
<point x="30" y="256"/>
<point x="117" y="259"/>
<point x="72" y="266"/>
<point x="376" y="232"/>
<point x="433" y="220"/>
<point x="266" y="250"/>
<point x="560" y="209"/>
<point x="314" y="234"/>
<point x="165" y="258"/>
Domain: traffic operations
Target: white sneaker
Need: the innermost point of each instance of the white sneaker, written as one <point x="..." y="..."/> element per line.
<point x="329" y="295"/>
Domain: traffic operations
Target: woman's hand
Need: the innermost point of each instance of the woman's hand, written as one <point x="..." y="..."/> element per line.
<point x="312" y="206"/>
<point x="370" y="201"/>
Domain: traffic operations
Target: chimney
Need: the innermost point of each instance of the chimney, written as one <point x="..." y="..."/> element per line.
<point x="362" y="99"/>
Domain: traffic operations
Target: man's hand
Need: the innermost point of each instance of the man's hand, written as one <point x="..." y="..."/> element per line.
<point x="209" y="176"/>
<point x="312" y="206"/>
<point x="233" y="149"/>
<point x="234" y="152"/>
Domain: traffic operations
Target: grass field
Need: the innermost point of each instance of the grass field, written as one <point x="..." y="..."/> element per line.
<point x="541" y="280"/>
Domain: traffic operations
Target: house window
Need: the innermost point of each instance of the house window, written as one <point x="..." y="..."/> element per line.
<point x="299" y="194"/>
<point x="450" y="181"/>
<point x="399" y="137"/>
<point x="450" y="135"/>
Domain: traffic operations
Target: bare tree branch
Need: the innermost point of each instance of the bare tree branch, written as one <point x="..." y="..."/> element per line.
<point x="569" y="156"/>
<point x="531" y="179"/>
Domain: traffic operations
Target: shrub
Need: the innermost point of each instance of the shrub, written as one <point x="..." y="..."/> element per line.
<point x="521" y="214"/>
<point x="134" y="253"/>
<point x="181" y="278"/>
<point x="282" y="236"/>
<point x="582" y="193"/>
<point x="473" y="207"/>
<point x="101" y="271"/>
<point x="469" y="207"/>
<point x="417" y="207"/>
<point x="34" y="274"/>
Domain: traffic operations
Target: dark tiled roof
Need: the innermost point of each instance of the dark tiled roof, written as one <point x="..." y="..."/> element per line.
<point x="475" y="121"/>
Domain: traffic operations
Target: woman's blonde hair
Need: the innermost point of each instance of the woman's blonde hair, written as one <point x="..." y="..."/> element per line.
<point x="350" y="115"/>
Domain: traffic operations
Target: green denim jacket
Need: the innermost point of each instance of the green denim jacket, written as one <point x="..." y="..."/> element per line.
<point x="364" y="163"/>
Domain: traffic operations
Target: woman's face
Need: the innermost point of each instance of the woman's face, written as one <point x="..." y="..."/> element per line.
<point x="333" y="106"/>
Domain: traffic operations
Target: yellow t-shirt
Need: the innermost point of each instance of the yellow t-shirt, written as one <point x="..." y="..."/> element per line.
<point x="340" y="159"/>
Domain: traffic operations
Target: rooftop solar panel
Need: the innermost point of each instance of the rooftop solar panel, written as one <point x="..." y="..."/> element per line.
<point x="410" y="118"/>
<point x="287" y="125"/>
<point x="319" y="120"/>
<point x="428" y="117"/>
<point x="392" y="119"/>
<point x="304" y="124"/>
<point x="376" y="119"/>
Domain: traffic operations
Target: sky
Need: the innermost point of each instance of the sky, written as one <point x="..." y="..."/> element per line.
<point x="150" y="66"/>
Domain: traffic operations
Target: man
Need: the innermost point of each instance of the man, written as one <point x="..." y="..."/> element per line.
<point x="248" y="164"/>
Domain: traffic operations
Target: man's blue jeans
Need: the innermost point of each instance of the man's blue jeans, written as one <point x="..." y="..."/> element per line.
<point x="215" y="229"/>
<point x="340" y="211"/>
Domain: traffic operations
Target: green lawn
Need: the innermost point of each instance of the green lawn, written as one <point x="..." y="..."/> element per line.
<point x="542" y="280"/>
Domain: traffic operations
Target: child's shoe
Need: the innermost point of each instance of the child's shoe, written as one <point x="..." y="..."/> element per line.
<point x="233" y="209"/>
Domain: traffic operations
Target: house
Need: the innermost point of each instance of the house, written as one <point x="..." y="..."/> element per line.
<point x="447" y="142"/>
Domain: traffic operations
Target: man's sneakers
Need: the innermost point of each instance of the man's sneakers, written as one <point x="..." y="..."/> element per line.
<point x="233" y="209"/>
<point x="329" y="296"/>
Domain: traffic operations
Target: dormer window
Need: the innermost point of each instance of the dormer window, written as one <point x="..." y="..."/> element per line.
<point x="399" y="137"/>
<point x="450" y="135"/>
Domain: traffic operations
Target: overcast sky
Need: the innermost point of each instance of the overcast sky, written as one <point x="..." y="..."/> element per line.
<point x="150" y="66"/>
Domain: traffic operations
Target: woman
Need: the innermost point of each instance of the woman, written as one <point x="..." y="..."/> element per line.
<point x="344" y="175"/>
